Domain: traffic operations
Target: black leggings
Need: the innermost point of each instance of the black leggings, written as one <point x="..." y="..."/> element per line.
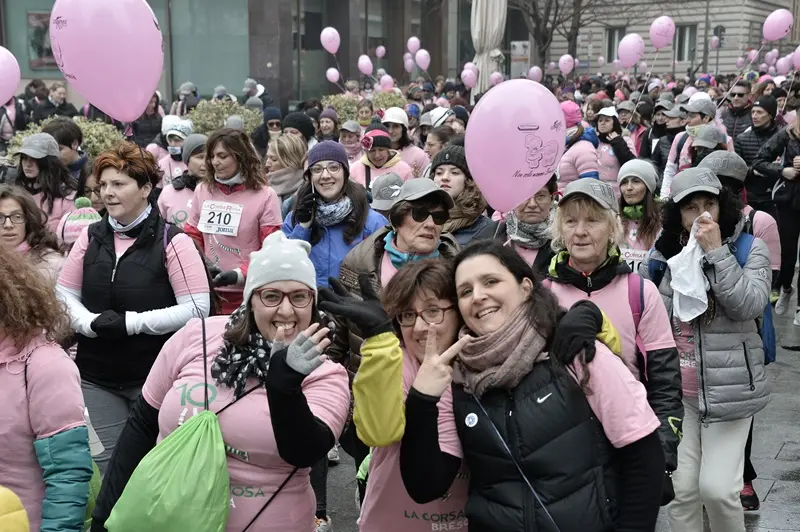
<point x="789" y="230"/>
<point x="319" y="483"/>
<point x="749" y="471"/>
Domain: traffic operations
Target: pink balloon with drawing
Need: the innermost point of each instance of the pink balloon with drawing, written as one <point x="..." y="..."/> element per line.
<point x="778" y="25"/>
<point x="662" y="30"/>
<point x="9" y="75"/>
<point x="330" y="40"/>
<point x="630" y="49"/>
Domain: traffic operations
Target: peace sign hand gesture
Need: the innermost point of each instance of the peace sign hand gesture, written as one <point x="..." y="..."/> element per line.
<point x="436" y="372"/>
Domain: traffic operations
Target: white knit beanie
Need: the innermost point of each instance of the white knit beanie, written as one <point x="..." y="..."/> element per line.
<point x="641" y="169"/>
<point x="280" y="259"/>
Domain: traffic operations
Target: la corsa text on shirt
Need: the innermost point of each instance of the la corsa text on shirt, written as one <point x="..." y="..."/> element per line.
<point x="442" y="521"/>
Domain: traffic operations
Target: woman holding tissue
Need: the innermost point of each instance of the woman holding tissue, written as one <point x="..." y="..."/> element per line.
<point x="721" y="353"/>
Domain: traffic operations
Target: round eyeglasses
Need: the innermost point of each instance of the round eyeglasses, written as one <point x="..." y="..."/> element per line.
<point x="297" y="298"/>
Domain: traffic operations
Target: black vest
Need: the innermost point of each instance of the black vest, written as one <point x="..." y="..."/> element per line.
<point x="138" y="282"/>
<point x="559" y="444"/>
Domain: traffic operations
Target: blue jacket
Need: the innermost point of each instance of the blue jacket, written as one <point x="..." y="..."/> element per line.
<point x="330" y="251"/>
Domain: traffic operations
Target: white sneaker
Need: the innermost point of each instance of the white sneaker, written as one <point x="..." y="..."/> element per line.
<point x="323" y="525"/>
<point x="796" y="321"/>
<point x="333" y="454"/>
<point x="784" y="301"/>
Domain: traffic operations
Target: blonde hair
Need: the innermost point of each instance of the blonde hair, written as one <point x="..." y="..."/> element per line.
<point x="58" y="85"/>
<point x="582" y="206"/>
<point x="290" y="151"/>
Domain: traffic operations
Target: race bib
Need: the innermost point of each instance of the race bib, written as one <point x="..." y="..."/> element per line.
<point x="634" y="257"/>
<point x="220" y="218"/>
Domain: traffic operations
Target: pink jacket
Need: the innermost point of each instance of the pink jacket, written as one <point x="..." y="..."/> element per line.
<point x="416" y="158"/>
<point x="358" y="170"/>
<point x="579" y="161"/>
<point x="766" y="228"/>
<point x="684" y="161"/>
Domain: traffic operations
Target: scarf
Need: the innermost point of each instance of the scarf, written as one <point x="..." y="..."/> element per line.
<point x="329" y="214"/>
<point x="234" y="364"/>
<point x="692" y="130"/>
<point x="126" y="230"/>
<point x="286" y="181"/>
<point x="633" y="212"/>
<point x="529" y="236"/>
<point x="231" y="181"/>
<point x="469" y="206"/>
<point x="184" y="181"/>
<point x="500" y="359"/>
<point x="401" y="258"/>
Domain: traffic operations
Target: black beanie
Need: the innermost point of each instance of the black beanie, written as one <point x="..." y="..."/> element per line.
<point x="454" y="155"/>
<point x="769" y="104"/>
<point x="778" y="93"/>
<point x="301" y="122"/>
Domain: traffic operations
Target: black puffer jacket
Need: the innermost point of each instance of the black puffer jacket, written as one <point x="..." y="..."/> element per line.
<point x="747" y="146"/>
<point x="660" y="155"/>
<point x="777" y="154"/>
<point x="736" y="121"/>
<point x="47" y="108"/>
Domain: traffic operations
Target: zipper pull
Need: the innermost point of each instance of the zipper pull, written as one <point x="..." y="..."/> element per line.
<point x="588" y="282"/>
<point x="113" y="274"/>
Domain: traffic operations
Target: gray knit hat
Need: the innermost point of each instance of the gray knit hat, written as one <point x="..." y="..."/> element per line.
<point x="641" y="169"/>
<point x="235" y="122"/>
<point x="192" y="145"/>
<point x="280" y="259"/>
<point x="255" y="103"/>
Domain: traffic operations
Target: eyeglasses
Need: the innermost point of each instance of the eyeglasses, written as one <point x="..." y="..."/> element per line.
<point x="87" y="192"/>
<point x="420" y="214"/>
<point x="298" y="298"/>
<point x="738" y="95"/>
<point x="333" y="169"/>
<point x="274" y="124"/>
<point x="17" y="218"/>
<point x="543" y="199"/>
<point x="431" y="316"/>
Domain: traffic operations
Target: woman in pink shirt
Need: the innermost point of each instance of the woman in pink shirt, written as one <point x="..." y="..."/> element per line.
<point x="233" y="211"/>
<point x="23" y="230"/>
<point x="280" y="405"/>
<point x="379" y="158"/>
<point x="640" y="210"/>
<point x="43" y="435"/>
<point x="42" y="173"/>
<point x="615" y="149"/>
<point x="172" y="165"/>
<point x="175" y="201"/>
<point x="587" y="234"/>
<point x="396" y="121"/>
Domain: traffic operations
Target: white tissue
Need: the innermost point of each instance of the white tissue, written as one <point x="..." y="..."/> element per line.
<point x="688" y="282"/>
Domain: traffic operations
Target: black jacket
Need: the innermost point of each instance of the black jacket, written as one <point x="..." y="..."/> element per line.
<point x="736" y="121"/>
<point x="47" y="108"/>
<point x="775" y="155"/>
<point x="660" y="156"/>
<point x="138" y="282"/>
<point x="146" y="129"/>
<point x="747" y="146"/>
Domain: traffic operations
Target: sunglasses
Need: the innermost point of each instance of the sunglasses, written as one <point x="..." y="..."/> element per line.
<point x="421" y="213"/>
<point x="738" y="95"/>
<point x="274" y="124"/>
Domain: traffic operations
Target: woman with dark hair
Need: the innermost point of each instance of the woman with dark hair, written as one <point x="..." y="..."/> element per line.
<point x="130" y="281"/>
<point x="233" y="211"/>
<point x="529" y="383"/>
<point x="148" y="126"/>
<point x="640" y="210"/>
<point x="23" y="229"/>
<point x="721" y="353"/>
<point x="435" y="142"/>
<point x="395" y="120"/>
<point x="614" y="149"/>
<point x="287" y="403"/>
<point x="45" y="177"/>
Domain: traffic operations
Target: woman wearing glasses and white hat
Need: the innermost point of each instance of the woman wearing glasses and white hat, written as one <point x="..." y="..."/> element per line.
<point x="396" y="121"/>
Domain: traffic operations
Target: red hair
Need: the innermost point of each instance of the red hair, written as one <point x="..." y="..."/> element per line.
<point x="129" y="159"/>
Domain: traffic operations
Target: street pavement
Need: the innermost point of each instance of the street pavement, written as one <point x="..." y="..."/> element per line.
<point x="776" y="451"/>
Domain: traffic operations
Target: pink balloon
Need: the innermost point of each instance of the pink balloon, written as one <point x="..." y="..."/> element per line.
<point x="408" y="64"/>
<point x="496" y="78"/>
<point x="469" y="65"/>
<point x="620" y="74"/>
<point x="443" y="102"/>
<point x="551" y="66"/>
<point x="617" y="63"/>
<point x="778" y="25"/>
<point x="643" y="66"/>
<point x="783" y="66"/>
<point x="566" y="63"/>
<point x="330" y="40"/>
<point x="469" y="78"/>
<point x="631" y="49"/>
<point x="775" y="52"/>
<point x="771" y="70"/>
<point x="380" y="51"/>
<point x="740" y="62"/>
<point x="387" y="81"/>
<point x="9" y="75"/>
<point x="365" y="65"/>
<point x="714" y="42"/>
<point x="796" y="58"/>
<point x="662" y="30"/>
<point x="332" y="75"/>
<point x="535" y="74"/>
<point x="752" y="56"/>
<point x="407" y="56"/>
<point x="690" y="91"/>
<point x="413" y="45"/>
<point x="601" y="60"/>
<point x="763" y="67"/>
<point x="423" y="59"/>
<point x="514" y="147"/>
<point x="770" y="59"/>
<point x="116" y="64"/>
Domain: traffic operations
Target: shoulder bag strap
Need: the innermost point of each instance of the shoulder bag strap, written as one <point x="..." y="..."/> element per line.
<point x="270" y="499"/>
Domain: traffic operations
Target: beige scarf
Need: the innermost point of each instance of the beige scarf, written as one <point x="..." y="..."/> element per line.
<point x="500" y="359"/>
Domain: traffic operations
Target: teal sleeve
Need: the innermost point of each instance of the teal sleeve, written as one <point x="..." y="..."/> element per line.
<point x="66" y="470"/>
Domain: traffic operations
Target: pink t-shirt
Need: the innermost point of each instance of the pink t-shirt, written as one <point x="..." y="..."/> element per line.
<point x="175" y="204"/>
<point x="358" y="172"/>
<point x="654" y="326"/>
<point x="416" y="158"/>
<point x="61" y="207"/>
<point x="684" y="340"/>
<point x="633" y="249"/>
<point x="387" y="506"/>
<point x="618" y="400"/>
<point x="387" y="269"/>
<point x="72" y="272"/>
<point x="526" y="253"/>
<point x="175" y="386"/>
<point x="230" y="248"/>
<point x="53" y="404"/>
<point x="766" y="228"/>
<point x="171" y="169"/>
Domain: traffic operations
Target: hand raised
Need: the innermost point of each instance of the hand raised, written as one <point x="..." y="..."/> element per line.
<point x="436" y="372"/>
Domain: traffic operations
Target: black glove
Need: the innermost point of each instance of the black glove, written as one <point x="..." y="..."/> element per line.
<point x="213" y="269"/>
<point x="368" y="316"/>
<point x="226" y="278"/>
<point x="305" y="208"/>
<point x="576" y="332"/>
<point x="110" y="325"/>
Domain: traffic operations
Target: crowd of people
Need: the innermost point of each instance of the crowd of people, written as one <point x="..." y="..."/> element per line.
<point x="328" y="283"/>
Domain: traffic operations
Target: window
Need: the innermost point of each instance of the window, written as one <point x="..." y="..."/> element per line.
<point x="613" y="36"/>
<point x="685" y="42"/>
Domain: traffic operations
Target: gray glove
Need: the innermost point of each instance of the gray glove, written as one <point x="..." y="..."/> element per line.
<point x="302" y="355"/>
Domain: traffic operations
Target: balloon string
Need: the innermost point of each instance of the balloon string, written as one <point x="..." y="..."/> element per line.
<point x="646" y="81"/>
<point x="783" y="107"/>
<point x="739" y="75"/>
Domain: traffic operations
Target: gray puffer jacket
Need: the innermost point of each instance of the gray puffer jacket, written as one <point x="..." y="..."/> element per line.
<point x="730" y="370"/>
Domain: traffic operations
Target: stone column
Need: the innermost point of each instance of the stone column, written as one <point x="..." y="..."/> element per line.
<point x="434" y="35"/>
<point x="345" y="16"/>
<point x="398" y="13"/>
<point x="270" y="29"/>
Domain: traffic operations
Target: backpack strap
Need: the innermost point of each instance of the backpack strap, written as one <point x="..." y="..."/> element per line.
<point x="741" y="248"/>
<point x="681" y="144"/>
<point x="751" y="220"/>
<point x="656" y="269"/>
<point x="367" y="177"/>
<point x="636" y="303"/>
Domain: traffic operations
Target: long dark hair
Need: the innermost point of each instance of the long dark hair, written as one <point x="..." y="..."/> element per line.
<point x="55" y="180"/>
<point x="405" y="140"/>
<point x="355" y="221"/>
<point x="650" y="224"/>
<point x="37" y="235"/>
<point x="239" y="146"/>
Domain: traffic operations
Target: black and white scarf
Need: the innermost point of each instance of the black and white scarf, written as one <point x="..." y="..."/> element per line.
<point x="234" y="364"/>
<point x="530" y="236"/>
<point x="329" y="214"/>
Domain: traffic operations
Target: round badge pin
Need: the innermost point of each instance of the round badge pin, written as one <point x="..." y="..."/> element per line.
<point x="471" y="420"/>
